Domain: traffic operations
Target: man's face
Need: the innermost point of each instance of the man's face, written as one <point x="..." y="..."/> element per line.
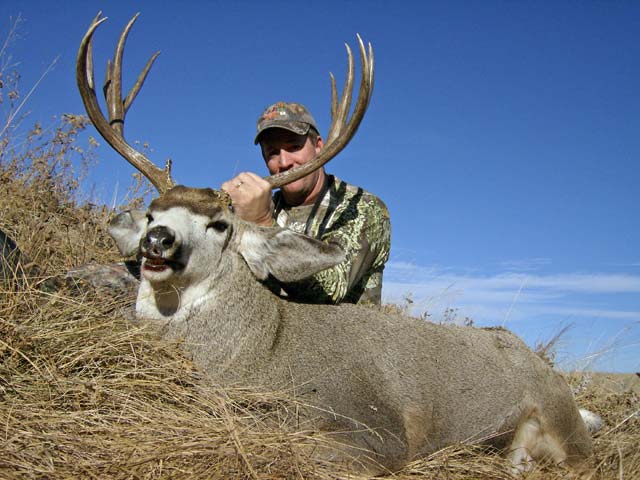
<point x="283" y="150"/>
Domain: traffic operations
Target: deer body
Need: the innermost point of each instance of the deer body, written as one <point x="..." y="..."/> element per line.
<point x="395" y="387"/>
<point x="419" y="386"/>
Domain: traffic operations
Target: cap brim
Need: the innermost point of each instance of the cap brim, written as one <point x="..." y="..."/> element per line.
<point x="301" y="129"/>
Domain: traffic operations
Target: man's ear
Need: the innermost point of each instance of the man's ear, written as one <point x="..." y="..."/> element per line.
<point x="286" y="255"/>
<point x="127" y="229"/>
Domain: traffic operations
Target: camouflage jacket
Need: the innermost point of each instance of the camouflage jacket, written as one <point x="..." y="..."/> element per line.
<point x="358" y="222"/>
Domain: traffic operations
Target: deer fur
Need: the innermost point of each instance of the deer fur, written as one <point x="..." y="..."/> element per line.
<point x="393" y="388"/>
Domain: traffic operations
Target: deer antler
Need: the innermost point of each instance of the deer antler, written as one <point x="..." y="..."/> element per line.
<point x="113" y="130"/>
<point x="340" y="132"/>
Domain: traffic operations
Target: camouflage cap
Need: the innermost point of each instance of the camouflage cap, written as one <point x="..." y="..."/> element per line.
<point x="290" y="116"/>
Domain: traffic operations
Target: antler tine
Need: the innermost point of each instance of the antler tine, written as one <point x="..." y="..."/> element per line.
<point x="112" y="131"/>
<point x="339" y="113"/>
<point x="117" y="107"/>
<point x="89" y="57"/>
<point x="334" y="102"/>
<point x="341" y="131"/>
<point x="89" y="67"/>
<point x="131" y="96"/>
<point x="112" y="88"/>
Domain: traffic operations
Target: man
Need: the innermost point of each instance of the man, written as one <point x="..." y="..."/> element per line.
<point x="318" y="205"/>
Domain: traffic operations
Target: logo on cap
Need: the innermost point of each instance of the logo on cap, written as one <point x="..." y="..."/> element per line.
<point x="289" y="116"/>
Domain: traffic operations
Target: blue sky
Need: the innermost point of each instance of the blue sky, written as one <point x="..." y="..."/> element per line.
<point x="503" y="136"/>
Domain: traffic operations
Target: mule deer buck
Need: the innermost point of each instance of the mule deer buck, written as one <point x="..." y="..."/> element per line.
<point x="393" y="388"/>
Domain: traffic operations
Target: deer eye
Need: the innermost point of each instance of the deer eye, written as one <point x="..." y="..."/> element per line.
<point x="218" y="226"/>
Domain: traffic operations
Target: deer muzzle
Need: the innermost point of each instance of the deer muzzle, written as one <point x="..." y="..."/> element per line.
<point x="159" y="246"/>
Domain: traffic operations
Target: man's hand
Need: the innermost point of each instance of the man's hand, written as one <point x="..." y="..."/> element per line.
<point x="251" y="198"/>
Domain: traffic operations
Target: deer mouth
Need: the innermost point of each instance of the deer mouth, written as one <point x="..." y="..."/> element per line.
<point x="159" y="264"/>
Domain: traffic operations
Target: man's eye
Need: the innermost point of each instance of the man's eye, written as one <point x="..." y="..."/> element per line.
<point x="292" y="147"/>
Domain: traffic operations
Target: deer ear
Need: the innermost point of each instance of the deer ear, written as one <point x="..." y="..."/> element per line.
<point x="286" y="255"/>
<point x="126" y="229"/>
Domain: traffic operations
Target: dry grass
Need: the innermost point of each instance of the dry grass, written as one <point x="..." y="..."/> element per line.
<point x="40" y="202"/>
<point x="86" y="393"/>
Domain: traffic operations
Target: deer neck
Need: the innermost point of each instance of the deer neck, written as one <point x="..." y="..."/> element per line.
<point x="233" y="315"/>
<point x="169" y="302"/>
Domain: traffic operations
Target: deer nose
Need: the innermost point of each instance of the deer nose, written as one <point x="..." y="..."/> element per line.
<point x="158" y="242"/>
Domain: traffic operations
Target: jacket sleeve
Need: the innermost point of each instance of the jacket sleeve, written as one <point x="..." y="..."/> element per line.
<point x="363" y="232"/>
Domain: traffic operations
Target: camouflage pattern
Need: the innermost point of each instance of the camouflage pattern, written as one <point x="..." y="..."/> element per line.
<point x="358" y="222"/>
<point x="290" y="116"/>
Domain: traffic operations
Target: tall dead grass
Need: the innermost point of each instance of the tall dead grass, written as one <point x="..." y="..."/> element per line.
<point x="85" y="393"/>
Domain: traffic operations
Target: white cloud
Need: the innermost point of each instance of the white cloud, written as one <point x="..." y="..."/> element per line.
<point x="587" y="282"/>
<point x="525" y="264"/>
<point x="513" y="297"/>
<point x="402" y="266"/>
<point x="630" y="264"/>
<point x="436" y="277"/>
<point x="597" y="305"/>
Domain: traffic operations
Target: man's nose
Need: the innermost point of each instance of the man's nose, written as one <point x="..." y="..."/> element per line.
<point x="285" y="159"/>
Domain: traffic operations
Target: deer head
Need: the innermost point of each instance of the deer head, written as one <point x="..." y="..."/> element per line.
<point x="185" y="230"/>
